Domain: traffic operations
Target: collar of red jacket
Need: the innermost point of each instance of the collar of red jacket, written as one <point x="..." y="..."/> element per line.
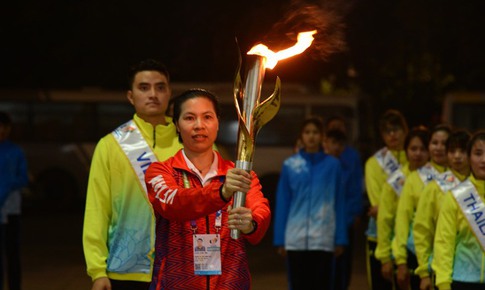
<point x="222" y="166"/>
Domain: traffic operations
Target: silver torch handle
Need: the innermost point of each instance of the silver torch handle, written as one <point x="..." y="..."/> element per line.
<point x="239" y="198"/>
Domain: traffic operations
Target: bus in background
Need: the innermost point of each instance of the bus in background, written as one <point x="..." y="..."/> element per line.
<point x="465" y="110"/>
<point x="58" y="130"/>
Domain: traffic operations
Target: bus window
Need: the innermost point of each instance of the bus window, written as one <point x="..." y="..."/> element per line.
<point x="470" y="116"/>
<point x="465" y="110"/>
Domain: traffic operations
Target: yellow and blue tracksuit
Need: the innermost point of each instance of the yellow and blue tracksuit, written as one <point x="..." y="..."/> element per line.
<point x="119" y="225"/>
<point x="386" y="219"/>
<point x="426" y="217"/>
<point x="375" y="178"/>
<point x="458" y="255"/>
<point x="408" y="202"/>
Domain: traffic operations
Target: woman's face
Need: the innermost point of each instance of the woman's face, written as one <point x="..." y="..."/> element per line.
<point x="393" y="137"/>
<point x="311" y="138"/>
<point x="198" y="124"/>
<point x="437" y="147"/>
<point x="477" y="159"/>
<point x="458" y="160"/>
<point x="416" y="153"/>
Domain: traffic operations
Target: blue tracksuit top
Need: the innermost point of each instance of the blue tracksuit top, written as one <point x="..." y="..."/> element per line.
<point x="310" y="212"/>
<point x="354" y="182"/>
<point x="13" y="169"/>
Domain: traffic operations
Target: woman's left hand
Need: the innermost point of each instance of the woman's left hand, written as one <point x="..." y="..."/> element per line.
<point x="240" y="218"/>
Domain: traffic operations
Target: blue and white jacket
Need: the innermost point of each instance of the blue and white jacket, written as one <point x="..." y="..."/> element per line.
<point x="14" y="176"/>
<point x="310" y="212"/>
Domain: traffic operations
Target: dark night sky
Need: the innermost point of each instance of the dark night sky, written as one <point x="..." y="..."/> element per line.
<point x="59" y="43"/>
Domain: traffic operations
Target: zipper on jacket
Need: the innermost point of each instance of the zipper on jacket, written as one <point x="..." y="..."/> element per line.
<point x="307" y="242"/>
<point x="154" y="136"/>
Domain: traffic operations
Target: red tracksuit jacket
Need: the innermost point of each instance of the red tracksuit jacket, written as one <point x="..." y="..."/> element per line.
<point x="174" y="267"/>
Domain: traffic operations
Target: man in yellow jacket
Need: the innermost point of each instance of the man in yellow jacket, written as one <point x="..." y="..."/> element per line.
<point x="119" y="225"/>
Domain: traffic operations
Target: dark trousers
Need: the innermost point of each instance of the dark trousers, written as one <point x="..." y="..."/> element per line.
<point x="374" y="276"/>
<point x="467" y="286"/>
<point x="10" y="253"/>
<point x="310" y="270"/>
<point x="412" y="262"/>
<point x="343" y="266"/>
<point x="129" y="285"/>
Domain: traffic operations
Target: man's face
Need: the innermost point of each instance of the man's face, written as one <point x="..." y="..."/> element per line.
<point x="149" y="95"/>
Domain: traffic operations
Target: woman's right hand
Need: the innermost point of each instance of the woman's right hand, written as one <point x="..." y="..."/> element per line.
<point x="236" y="180"/>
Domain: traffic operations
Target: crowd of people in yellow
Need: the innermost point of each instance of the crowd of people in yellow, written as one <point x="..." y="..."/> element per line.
<point x="426" y="188"/>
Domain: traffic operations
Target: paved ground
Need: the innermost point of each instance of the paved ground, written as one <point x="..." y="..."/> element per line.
<point x="53" y="259"/>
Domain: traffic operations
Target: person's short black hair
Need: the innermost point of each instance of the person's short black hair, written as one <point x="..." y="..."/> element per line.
<point x="393" y="118"/>
<point x="317" y="121"/>
<point x="440" y="128"/>
<point x="147" y="65"/>
<point x="458" y="140"/>
<point x="477" y="136"/>
<point x="338" y="118"/>
<point x="5" y="119"/>
<point x="179" y="100"/>
<point x="420" y="132"/>
<point x="337" y="135"/>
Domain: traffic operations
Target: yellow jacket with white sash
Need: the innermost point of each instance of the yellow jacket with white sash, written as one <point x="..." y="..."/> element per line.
<point x="429" y="206"/>
<point x="408" y="202"/>
<point x="119" y="226"/>
<point x="458" y="254"/>
<point x="386" y="215"/>
<point x="375" y="178"/>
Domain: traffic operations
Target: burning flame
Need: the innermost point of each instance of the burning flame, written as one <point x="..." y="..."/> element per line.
<point x="304" y="41"/>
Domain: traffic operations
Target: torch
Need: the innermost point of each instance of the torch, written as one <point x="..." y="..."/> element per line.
<point x="252" y="114"/>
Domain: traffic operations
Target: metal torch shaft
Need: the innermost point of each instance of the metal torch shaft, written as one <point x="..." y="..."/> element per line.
<point x="252" y="92"/>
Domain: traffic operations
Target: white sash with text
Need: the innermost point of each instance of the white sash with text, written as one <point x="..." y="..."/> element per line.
<point x="427" y="173"/>
<point x="387" y="161"/>
<point x="135" y="148"/>
<point x="447" y="181"/>
<point x="472" y="207"/>
<point x="396" y="181"/>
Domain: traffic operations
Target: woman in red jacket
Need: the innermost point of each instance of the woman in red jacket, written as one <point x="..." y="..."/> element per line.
<point x="191" y="196"/>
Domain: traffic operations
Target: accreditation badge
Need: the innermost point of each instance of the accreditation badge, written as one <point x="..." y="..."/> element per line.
<point x="207" y="254"/>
